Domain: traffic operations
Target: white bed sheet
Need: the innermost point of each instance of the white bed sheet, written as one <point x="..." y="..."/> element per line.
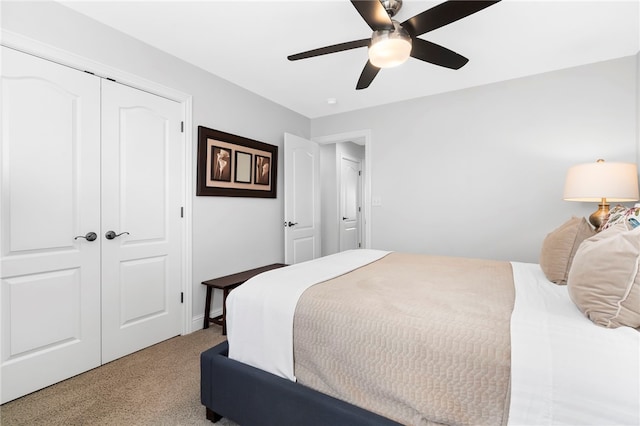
<point x="260" y="312"/>
<point x="565" y="370"/>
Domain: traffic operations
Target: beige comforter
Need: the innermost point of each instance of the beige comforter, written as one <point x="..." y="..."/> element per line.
<point x="418" y="339"/>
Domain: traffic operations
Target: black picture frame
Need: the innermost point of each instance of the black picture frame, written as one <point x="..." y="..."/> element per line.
<point x="222" y="176"/>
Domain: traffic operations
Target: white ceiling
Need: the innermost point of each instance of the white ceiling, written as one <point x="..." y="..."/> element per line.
<point x="247" y="43"/>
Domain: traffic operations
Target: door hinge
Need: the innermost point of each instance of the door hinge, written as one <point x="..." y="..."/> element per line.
<point x="359" y="245"/>
<point x="181" y="297"/>
<point x="182" y="127"/>
<point x="359" y="208"/>
<point x="181" y="211"/>
<point x="359" y="173"/>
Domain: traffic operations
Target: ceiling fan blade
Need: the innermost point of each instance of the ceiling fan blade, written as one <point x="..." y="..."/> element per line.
<point x="436" y="54"/>
<point x="330" y="49"/>
<point x="373" y="13"/>
<point x="368" y="74"/>
<point x="443" y="14"/>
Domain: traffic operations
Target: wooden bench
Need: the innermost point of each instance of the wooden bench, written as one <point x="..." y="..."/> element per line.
<point x="226" y="284"/>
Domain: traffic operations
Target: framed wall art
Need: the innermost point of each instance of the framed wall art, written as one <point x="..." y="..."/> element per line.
<point x="234" y="166"/>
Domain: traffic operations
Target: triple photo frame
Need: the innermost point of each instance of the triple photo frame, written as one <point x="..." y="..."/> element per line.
<point x="235" y="166"/>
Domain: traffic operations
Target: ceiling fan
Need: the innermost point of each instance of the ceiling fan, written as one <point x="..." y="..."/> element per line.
<point x="392" y="42"/>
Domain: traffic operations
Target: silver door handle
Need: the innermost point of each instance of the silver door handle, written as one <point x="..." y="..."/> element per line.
<point x="110" y="235"/>
<point x="90" y="236"/>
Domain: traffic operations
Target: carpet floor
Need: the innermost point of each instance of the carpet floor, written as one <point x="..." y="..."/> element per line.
<point x="159" y="385"/>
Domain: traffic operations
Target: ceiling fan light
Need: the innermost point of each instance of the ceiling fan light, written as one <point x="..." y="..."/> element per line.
<point x="390" y="48"/>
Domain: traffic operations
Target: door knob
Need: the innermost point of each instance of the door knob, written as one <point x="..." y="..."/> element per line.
<point x="110" y="235"/>
<point x="91" y="236"/>
<point x="290" y="223"/>
<point x="344" y="218"/>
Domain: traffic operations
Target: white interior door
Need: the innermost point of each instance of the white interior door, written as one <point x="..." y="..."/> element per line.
<point x="301" y="199"/>
<point x="141" y="204"/>
<point x="349" y="204"/>
<point x="69" y="301"/>
<point x="50" y="281"/>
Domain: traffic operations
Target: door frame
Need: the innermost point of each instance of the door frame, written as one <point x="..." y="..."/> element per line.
<point x="361" y="137"/>
<point x="46" y="51"/>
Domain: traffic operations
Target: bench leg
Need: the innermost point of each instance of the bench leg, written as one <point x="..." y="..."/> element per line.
<point x="225" y="293"/>
<point x="207" y="308"/>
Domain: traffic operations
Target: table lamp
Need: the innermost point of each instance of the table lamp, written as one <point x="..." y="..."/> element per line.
<point x="601" y="182"/>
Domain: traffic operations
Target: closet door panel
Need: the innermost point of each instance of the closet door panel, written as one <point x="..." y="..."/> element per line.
<point x="139" y="279"/>
<point x="50" y="281"/>
<point x="45" y="153"/>
<point x="62" y="319"/>
<point x="142" y="169"/>
<point x="143" y="143"/>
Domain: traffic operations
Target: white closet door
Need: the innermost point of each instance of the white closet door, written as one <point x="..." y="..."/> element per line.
<point x="50" y="282"/>
<point x="141" y="197"/>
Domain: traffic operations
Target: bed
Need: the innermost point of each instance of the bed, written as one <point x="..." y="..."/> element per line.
<point x="372" y="337"/>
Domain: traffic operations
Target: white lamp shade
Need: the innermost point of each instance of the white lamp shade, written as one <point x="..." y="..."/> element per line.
<point x="595" y="181"/>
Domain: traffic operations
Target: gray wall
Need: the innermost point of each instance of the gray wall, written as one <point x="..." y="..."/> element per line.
<point x="250" y="239"/>
<point x="480" y="172"/>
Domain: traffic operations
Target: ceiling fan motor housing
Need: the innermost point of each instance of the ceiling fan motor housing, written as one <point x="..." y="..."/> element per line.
<point x="392" y="6"/>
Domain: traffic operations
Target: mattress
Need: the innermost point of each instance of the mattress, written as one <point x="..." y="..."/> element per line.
<point x="426" y="340"/>
<point x="377" y="325"/>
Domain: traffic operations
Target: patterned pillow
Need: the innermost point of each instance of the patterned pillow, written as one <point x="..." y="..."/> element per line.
<point x="621" y="214"/>
<point x="604" y="280"/>
<point x="559" y="247"/>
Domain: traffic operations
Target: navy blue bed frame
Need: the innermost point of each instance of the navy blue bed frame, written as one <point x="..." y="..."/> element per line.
<point x="250" y="396"/>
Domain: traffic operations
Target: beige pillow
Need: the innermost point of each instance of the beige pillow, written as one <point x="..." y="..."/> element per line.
<point x="604" y="281"/>
<point x="559" y="247"/>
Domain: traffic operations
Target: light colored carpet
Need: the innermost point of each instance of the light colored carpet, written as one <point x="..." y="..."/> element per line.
<point x="159" y="385"/>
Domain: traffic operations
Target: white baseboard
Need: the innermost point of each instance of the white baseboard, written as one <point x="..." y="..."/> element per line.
<point x="197" y="321"/>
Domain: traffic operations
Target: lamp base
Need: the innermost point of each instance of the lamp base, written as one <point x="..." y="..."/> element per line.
<point x="598" y="217"/>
